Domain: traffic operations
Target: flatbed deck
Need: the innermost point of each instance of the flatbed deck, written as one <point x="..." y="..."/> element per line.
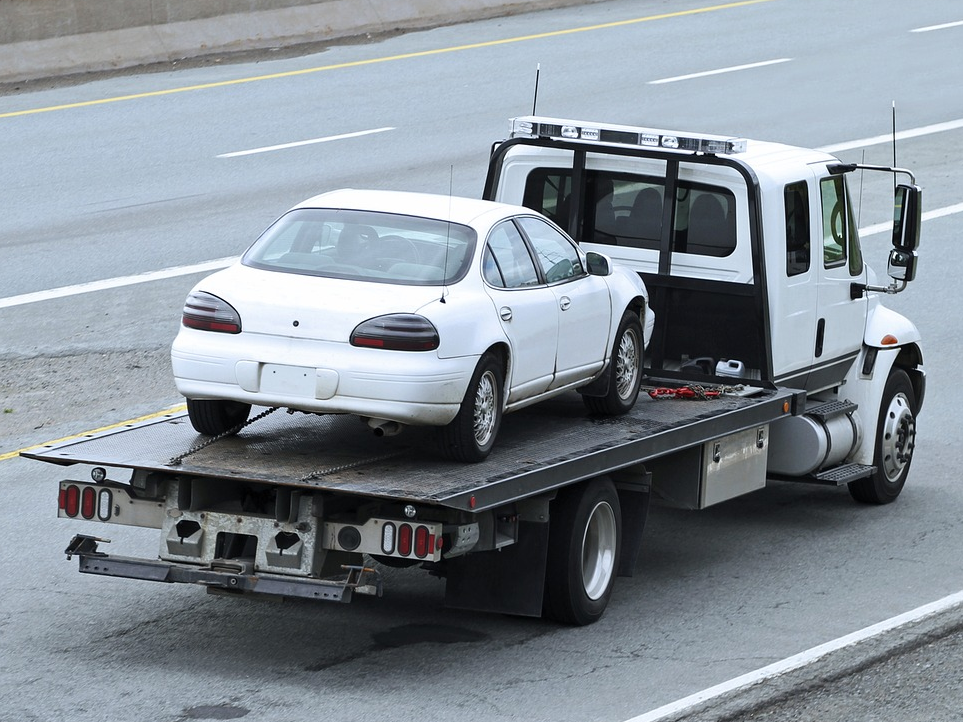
<point x="546" y="446"/>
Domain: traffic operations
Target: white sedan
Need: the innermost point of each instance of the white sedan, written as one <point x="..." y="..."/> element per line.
<point x="408" y="308"/>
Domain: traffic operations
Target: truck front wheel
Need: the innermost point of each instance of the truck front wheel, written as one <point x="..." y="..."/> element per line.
<point x="895" y="443"/>
<point x="583" y="556"/>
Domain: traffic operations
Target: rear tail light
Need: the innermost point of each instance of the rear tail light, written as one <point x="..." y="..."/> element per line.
<point x="396" y="332"/>
<point x="423" y="542"/>
<point x="70" y="500"/>
<point x="207" y="312"/>
<point x="404" y="540"/>
<point x="88" y="502"/>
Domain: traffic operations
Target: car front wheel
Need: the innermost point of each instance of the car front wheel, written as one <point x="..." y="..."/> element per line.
<point x="471" y="436"/>
<point x="625" y="370"/>
<point x="214" y="417"/>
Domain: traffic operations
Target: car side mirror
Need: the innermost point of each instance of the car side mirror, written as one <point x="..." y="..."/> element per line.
<point x="907" y="218"/>
<point x="902" y="265"/>
<point x="598" y="265"/>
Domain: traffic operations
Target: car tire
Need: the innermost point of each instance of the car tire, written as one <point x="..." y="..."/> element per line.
<point x="895" y="443"/>
<point x="585" y="529"/>
<point x="624" y="370"/>
<point x="471" y="435"/>
<point x="214" y="417"/>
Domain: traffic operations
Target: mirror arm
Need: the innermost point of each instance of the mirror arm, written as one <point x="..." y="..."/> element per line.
<point x="840" y="168"/>
<point x="893" y="288"/>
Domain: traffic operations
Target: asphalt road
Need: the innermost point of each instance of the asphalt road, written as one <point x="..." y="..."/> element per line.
<point x="135" y="174"/>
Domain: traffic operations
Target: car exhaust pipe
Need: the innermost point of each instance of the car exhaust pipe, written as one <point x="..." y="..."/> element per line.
<point x="383" y="427"/>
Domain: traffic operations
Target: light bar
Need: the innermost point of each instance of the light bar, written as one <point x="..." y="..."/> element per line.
<point x="532" y="126"/>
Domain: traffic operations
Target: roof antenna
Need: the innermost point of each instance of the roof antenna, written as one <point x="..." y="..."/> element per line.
<point x="538" y="68"/>
<point x="444" y="288"/>
<point x="894" y="144"/>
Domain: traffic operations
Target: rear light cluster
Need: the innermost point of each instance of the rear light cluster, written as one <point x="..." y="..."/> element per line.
<point x="400" y="539"/>
<point x="396" y="332"/>
<point x="207" y="312"/>
<point x="86" y="501"/>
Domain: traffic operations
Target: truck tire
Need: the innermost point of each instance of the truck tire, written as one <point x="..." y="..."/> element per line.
<point x="215" y="416"/>
<point x="625" y="370"/>
<point x="895" y="442"/>
<point x="585" y="531"/>
<point x="471" y="435"/>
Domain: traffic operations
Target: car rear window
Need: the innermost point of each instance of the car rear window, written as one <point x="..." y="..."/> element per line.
<point x="365" y="246"/>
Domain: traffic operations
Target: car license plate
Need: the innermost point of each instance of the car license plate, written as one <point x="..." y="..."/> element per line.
<point x="288" y="380"/>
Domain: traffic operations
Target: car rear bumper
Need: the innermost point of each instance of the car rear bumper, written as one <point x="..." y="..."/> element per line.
<point x="323" y="377"/>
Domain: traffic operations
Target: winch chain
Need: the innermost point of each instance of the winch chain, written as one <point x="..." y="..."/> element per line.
<point x="693" y="391"/>
<point x="175" y="461"/>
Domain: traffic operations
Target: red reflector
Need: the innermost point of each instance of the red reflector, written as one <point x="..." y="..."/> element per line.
<point x="88" y="502"/>
<point x="404" y="540"/>
<point x="72" y="502"/>
<point x="421" y="542"/>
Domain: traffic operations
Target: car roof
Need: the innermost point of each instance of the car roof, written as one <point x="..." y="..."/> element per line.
<point x="456" y="209"/>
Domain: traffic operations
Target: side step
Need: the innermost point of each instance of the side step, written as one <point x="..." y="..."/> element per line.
<point x="837" y="476"/>
<point x="831" y="409"/>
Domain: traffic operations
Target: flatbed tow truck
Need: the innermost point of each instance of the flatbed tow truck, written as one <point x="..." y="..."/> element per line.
<point x="299" y="505"/>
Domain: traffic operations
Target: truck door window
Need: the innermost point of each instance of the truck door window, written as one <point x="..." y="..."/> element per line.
<point x="556" y="255"/>
<point x="507" y="262"/>
<point x="796" y="196"/>
<point x="840" y="238"/>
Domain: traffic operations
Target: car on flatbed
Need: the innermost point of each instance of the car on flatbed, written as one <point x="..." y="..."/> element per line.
<point x="411" y="309"/>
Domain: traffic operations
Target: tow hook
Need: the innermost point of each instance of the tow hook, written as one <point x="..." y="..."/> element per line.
<point x="85" y="545"/>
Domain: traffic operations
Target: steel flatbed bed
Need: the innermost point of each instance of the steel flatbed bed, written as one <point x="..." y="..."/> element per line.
<point x="547" y="446"/>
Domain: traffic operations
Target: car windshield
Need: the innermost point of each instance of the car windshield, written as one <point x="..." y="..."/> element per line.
<point x="364" y="246"/>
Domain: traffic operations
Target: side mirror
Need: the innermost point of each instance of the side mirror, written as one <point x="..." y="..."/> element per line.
<point x="598" y="265"/>
<point x="907" y="218"/>
<point x="902" y="265"/>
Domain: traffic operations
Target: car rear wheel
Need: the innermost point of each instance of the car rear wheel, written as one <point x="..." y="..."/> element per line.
<point x="214" y="417"/>
<point x="471" y="436"/>
<point x="625" y="370"/>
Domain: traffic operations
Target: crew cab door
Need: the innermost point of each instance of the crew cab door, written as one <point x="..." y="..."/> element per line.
<point x="840" y="317"/>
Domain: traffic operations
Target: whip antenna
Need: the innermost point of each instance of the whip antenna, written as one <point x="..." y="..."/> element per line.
<point x="894" y="143"/>
<point x="538" y="68"/>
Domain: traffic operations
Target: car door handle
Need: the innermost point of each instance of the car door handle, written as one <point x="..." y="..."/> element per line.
<point x="505" y="313"/>
<point x="564" y="302"/>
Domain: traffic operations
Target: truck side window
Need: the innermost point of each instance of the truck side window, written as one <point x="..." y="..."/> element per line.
<point x="514" y="267"/>
<point x="547" y="191"/>
<point x="840" y="239"/>
<point x="705" y="220"/>
<point x="796" y="197"/>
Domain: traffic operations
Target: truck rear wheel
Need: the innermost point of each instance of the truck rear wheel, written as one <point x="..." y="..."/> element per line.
<point x="215" y="416"/>
<point x="583" y="556"/>
<point x="625" y="370"/>
<point x="895" y="442"/>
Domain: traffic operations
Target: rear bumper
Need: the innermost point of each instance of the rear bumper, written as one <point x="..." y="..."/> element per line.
<point x="232" y="576"/>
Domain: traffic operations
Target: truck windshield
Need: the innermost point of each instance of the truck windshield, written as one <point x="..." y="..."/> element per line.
<point x="364" y="246"/>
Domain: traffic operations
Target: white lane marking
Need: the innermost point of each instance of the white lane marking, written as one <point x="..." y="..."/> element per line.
<point x="719" y="71"/>
<point x="901" y="135"/>
<point x="937" y="27"/>
<point x="800" y="660"/>
<point x="928" y="216"/>
<point x="299" y="143"/>
<point x="76" y="290"/>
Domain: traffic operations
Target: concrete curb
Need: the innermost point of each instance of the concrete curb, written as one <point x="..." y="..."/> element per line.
<point x="309" y="23"/>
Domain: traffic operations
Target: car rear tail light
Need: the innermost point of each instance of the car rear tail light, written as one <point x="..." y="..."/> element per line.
<point x="207" y="312"/>
<point x="396" y="332"/>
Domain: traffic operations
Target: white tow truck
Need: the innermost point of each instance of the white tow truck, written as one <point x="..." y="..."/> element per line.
<point x="772" y="359"/>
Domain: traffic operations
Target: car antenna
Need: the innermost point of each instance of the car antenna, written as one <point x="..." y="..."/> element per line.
<point x="538" y="68"/>
<point x="444" y="288"/>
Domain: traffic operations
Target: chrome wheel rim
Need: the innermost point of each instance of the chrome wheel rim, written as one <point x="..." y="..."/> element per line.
<point x="627" y="363"/>
<point x="486" y="398"/>
<point x="897" y="437"/>
<point x="598" y="550"/>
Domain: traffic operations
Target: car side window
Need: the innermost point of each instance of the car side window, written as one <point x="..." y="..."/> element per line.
<point x="506" y="262"/>
<point x="557" y="255"/>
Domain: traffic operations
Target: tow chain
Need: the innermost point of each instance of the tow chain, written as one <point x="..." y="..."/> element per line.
<point x="176" y="460"/>
<point x="693" y="391"/>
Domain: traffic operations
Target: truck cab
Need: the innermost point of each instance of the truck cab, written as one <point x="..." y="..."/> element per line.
<point x="752" y="257"/>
